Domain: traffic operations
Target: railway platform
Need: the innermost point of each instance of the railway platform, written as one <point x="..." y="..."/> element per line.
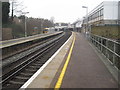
<point x="8" y="43"/>
<point x="77" y="64"/>
<point x="14" y="46"/>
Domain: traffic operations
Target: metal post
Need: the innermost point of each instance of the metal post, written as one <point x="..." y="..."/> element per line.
<point x="25" y="28"/>
<point x="25" y="22"/>
<point x="86" y="30"/>
<point x="98" y="43"/>
<point x="42" y="26"/>
<point x="93" y="39"/>
<point x="87" y="18"/>
<point x="101" y="44"/>
<point x="114" y="49"/>
<point x="106" y="49"/>
<point x="12" y="11"/>
<point x="90" y="33"/>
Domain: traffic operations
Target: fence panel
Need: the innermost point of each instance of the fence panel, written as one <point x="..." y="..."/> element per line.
<point x="108" y="47"/>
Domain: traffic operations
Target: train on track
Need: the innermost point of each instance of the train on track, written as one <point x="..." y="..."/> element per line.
<point x="45" y="30"/>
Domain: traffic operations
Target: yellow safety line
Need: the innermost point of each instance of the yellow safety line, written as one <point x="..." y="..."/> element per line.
<point x="59" y="82"/>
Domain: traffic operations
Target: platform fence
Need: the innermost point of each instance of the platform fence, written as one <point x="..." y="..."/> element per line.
<point x="109" y="48"/>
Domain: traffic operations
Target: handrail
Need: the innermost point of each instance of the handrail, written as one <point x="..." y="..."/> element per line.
<point x="107" y="39"/>
<point x="103" y="44"/>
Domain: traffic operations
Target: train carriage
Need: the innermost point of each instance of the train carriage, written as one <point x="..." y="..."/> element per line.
<point x="45" y="30"/>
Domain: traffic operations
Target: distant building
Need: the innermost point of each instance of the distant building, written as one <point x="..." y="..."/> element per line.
<point x="105" y="13"/>
<point x="101" y="18"/>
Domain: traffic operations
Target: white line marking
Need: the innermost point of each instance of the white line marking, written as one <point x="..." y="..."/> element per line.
<point x="42" y="68"/>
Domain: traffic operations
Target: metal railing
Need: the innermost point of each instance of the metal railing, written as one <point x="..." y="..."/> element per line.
<point x="109" y="48"/>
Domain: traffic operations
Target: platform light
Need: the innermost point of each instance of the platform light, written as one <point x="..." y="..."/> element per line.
<point x="86" y="30"/>
<point x="25" y="23"/>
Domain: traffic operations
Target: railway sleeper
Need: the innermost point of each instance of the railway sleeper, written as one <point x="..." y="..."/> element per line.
<point x="34" y="67"/>
<point x="27" y="74"/>
<point x="11" y="86"/>
<point x="21" y="77"/>
<point x="43" y="61"/>
<point x="17" y="82"/>
<point x="40" y="62"/>
<point x="31" y="70"/>
<point x="37" y="64"/>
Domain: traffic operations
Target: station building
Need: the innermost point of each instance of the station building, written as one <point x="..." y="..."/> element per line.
<point x="104" y="20"/>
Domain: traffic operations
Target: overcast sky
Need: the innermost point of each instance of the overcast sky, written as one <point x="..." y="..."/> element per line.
<point x="61" y="10"/>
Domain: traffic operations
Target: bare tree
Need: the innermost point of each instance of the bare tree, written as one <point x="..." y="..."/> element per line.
<point x="16" y="7"/>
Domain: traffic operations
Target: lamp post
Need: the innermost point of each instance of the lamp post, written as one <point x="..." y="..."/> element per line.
<point x="42" y="21"/>
<point x="25" y="23"/>
<point x="86" y="30"/>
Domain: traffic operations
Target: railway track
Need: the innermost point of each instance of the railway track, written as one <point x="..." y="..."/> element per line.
<point x="29" y="45"/>
<point x="21" y="72"/>
<point x="27" y="51"/>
